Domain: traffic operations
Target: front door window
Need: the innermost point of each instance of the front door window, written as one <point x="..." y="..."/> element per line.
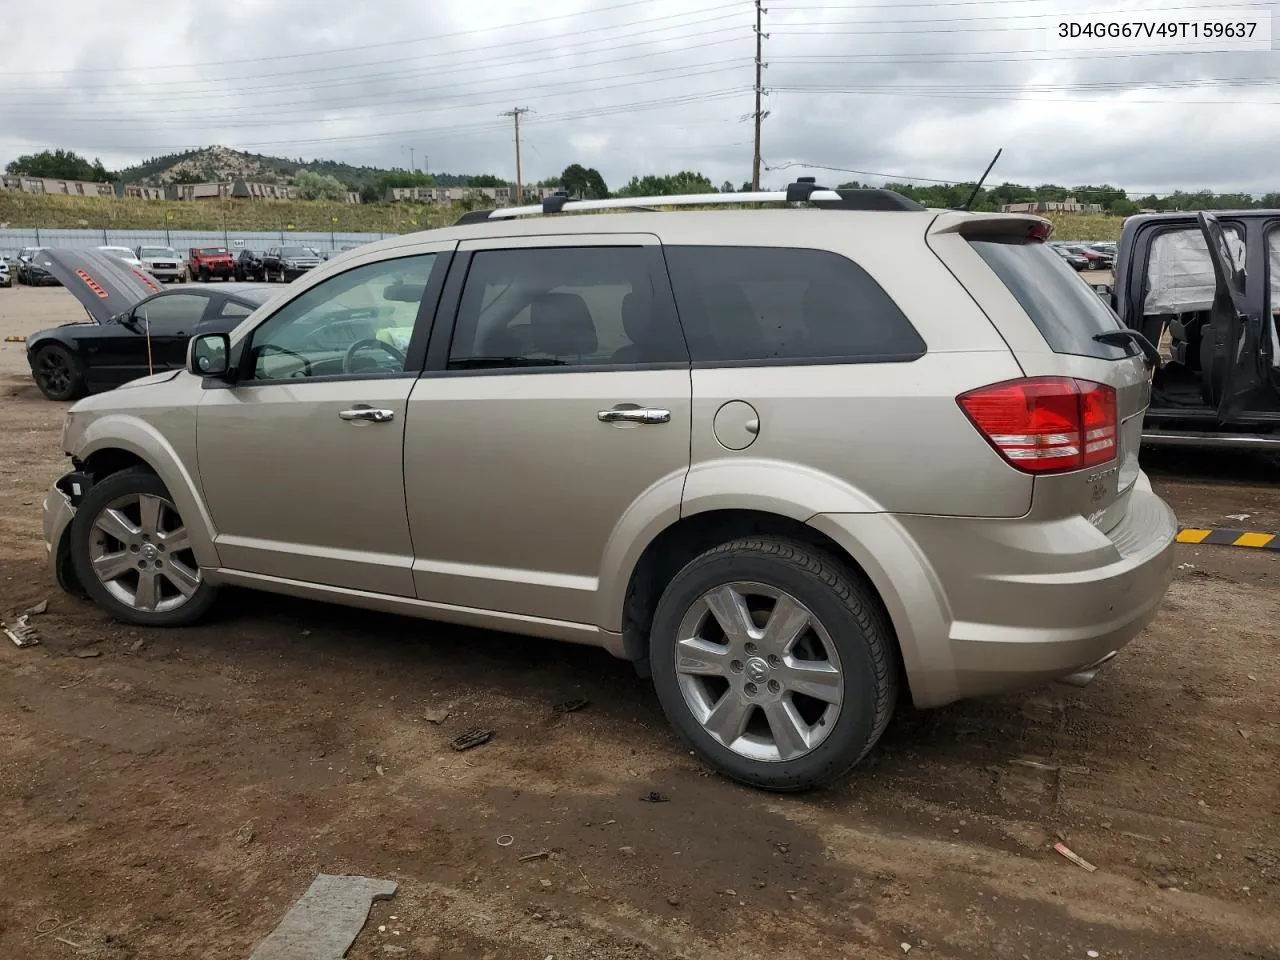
<point x="358" y="323"/>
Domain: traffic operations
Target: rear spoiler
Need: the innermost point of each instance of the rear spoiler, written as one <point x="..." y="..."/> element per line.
<point x="992" y="225"/>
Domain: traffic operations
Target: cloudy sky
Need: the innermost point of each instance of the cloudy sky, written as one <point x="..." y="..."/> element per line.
<point x="913" y="89"/>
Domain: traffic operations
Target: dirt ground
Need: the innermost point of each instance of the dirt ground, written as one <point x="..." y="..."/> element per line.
<point x="171" y="794"/>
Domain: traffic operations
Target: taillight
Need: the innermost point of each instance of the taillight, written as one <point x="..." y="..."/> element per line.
<point x="1040" y="232"/>
<point x="1046" y="424"/>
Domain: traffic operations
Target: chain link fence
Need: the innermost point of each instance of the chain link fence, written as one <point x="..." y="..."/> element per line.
<point x="13" y="239"/>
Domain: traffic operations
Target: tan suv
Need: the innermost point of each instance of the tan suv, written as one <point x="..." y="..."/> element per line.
<point x="789" y="460"/>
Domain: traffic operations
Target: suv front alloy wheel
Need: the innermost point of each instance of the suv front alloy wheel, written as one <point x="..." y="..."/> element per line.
<point x="131" y="553"/>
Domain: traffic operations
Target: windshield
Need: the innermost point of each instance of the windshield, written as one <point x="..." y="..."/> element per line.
<point x="211" y="251"/>
<point x="296" y="252"/>
<point x="1064" y="309"/>
<point x="151" y="252"/>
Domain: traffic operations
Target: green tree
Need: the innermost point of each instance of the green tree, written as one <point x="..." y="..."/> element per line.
<point x="584" y="182"/>
<point x="318" y="186"/>
<point x="485" y="180"/>
<point x="673" y="184"/>
<point x="60" y="165"/>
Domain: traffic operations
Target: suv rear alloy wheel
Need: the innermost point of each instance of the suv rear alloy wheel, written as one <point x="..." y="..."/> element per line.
<point x="774" y="661"/>
<point x="131" y="552"/>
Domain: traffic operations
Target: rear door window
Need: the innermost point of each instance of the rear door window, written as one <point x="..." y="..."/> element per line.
<point x="780" y="304"/>
<point x="1064" y="309"/>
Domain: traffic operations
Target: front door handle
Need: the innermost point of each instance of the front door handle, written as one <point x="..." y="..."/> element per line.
<point x="634" y="415"/>
<point x="375" y="414"/>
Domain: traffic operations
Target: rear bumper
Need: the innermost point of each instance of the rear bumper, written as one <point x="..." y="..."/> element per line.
<point x="991" y="606"/>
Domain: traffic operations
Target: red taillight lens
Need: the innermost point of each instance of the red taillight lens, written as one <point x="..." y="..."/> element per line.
<point x="1046" y="424"/>
<point x="1040" y="232"/>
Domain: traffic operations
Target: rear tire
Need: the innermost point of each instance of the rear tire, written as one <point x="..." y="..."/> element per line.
<point x="132" y="556"/>
<point x="57" y="373"/>
<point x="797" y="696"/>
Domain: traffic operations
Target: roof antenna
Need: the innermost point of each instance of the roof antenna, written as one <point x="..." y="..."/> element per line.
<point x="981" y="180"/>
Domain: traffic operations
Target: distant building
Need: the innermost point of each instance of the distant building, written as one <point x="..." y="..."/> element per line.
<point x="250" y="190"/>
<point x="49" y="186"/>
<point x="500" y="196"/>
<point x="139" y="191"/>
<point x="1069" y="205"/>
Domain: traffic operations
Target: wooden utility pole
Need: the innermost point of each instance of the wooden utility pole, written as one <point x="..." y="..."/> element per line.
<point x="759" y="114"/>
<point x="515" y="112"/>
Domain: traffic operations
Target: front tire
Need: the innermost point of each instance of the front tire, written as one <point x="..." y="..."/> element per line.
<point x="57" y="373"/>
<point x="774" y="661"/>
<point x="132" y="554"/>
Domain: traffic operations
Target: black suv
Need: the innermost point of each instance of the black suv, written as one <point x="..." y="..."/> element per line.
<point x="1206" y="289"/>
<point x="289" y="263"/>
<point x="249" y="266"/>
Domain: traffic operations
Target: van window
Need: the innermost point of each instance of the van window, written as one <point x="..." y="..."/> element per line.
<point x="771" y="303"/>
<point x="1064" y="308"/>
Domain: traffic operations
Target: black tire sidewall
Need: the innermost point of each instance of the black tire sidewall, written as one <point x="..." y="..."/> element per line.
<point x="75" y="387"/>
<point x="856" y="722"/>
<point x="134" y="480"/>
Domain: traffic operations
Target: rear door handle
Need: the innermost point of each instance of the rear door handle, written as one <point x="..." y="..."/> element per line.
<point x="375" y="414"/>
<point x="634" y="415"/>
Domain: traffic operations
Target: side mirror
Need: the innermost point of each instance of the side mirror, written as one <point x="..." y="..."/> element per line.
<point x="209" y="355"/>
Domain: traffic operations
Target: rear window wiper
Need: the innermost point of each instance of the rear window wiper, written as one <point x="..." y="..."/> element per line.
<point x="1124" y="338"/>
<point x="472" y="363"/>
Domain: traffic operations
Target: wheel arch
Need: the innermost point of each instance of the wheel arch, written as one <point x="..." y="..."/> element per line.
<point x="680" y="542"/>
<point x="113" y="443"/>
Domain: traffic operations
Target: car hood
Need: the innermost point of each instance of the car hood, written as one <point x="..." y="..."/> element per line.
<point x="105" y="284"/>
<point x="163" y="377"/>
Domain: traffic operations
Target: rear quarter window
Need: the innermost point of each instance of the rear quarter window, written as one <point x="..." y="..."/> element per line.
<point x="784" y="304"/>
<point x="1063" y="307"/>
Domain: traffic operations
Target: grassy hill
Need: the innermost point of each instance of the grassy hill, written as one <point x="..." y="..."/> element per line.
<point x="53" y="212"/>
<point x="26" y="211"/>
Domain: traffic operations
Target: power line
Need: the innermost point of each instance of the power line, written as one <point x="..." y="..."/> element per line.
<point x="366" y="46"/>
<point x="439" y="106"/>
<point x="901" y="177"/>
<point x="454" y="129"/>
<point x="468" y="62"/>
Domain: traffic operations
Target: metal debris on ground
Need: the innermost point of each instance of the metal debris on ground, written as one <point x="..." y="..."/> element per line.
<point x="436" y="716"/>
<point x="325" y="921"/>
<point x="22" y="633"/>
<point x="506" y="840"/>
<point x="472" y="738"/>
<point x="1075" y="858"/>
<point x="540" y="855"/>
<point x="571" y="706"/>
<point x="653" y="796"/>
<point x="36" y="609"/>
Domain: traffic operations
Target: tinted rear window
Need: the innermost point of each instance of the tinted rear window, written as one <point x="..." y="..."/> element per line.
<point x="1064" y="308"/>
<point x="770" y="303"/>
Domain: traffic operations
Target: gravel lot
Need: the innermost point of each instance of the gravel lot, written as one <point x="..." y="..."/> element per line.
<point x="170" y="794"/>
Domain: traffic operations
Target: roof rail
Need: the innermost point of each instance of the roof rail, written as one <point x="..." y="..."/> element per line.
<point x="804" y="190"/>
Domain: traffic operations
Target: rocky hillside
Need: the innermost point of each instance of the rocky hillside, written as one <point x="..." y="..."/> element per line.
<point x="223" y="163"/>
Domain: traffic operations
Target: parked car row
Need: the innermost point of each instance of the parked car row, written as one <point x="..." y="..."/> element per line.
<point x="1086" y="256"/>
<point x="273" y="264"/>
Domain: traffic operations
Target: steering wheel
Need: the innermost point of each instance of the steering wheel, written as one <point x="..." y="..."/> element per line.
<point x="369" y="342"/>
<point x="261" y="351"/>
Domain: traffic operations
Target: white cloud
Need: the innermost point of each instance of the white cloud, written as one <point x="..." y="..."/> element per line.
<point x="921" y="89"/>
